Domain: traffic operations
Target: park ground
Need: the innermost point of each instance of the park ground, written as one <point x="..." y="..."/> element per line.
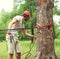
<point x="25" y="46"/>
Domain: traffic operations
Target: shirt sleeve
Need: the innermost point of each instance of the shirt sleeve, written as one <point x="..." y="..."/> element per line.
<point x="17" y="17"/>
<point x="21" y="24"/>
<point x="20" y="21"/>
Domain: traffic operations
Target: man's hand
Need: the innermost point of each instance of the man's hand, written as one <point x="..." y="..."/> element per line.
<point x="36" y="36"/>
<point x="39" y="26"/>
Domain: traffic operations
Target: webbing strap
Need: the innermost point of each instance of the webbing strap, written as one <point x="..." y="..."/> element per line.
<point x="47" y="25"/>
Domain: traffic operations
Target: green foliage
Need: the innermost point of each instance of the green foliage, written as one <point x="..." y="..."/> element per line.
<point x="57" y="31"/>
<point x="6" y="17"/>
<point x="56" y="11"/>
<point x="30" y="5"/>
<point x="3" y="19"/>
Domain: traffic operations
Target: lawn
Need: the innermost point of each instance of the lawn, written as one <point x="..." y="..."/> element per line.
<point x="25" y="46"/>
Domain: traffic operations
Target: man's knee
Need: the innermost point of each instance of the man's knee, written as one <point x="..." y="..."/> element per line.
<point x="19" y="54"/>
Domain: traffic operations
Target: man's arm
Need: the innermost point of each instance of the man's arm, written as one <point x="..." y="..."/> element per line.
<point x="11" y="23"/>
<point x="27" y="34"/>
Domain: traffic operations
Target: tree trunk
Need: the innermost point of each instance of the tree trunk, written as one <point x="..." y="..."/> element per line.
<point x="45" y="42"/>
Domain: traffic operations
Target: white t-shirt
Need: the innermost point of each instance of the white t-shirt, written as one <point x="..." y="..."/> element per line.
<point x="18" y="25"/>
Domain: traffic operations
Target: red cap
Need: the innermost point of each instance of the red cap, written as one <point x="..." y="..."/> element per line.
<point x="27" y="13"/>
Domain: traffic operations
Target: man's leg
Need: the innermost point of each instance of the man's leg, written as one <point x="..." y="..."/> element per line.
<point x="10" y="56"/>
<point x="17" y="50"/>
<point x="10" y="47"/>
<point x="18" y="55"/>
<point x="10" y="50"/>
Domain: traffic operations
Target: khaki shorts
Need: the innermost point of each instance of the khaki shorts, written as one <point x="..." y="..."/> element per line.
<point x="13" y="45"/>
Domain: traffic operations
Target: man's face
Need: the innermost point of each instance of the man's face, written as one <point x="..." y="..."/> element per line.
<point x="27" y="18"/>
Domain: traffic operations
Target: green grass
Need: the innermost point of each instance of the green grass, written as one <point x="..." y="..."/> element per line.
<point x="57" y="47"/>
<point x="25" y="45"/>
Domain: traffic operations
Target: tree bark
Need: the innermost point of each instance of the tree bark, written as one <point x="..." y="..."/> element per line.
<point x="45" y="41"/>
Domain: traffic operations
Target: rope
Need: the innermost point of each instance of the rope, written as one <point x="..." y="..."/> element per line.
<point x="4" y="31"/>
<point x="47" y="25"/>
<point x="17" y="29"/>
<point x="28" y="53"/>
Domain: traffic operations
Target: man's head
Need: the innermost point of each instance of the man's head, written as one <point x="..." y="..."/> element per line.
<point x="26" y="15"/>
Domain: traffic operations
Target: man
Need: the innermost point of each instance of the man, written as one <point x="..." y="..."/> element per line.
<point x="12" y="35"/>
